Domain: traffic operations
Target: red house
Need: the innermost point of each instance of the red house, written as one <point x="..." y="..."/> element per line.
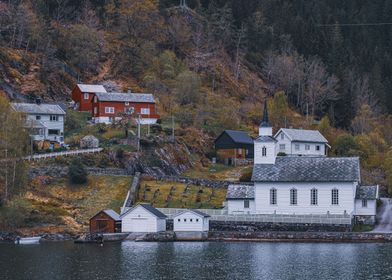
<point x="107" y="107"/>
<point x="83" y="94"/>
<point x="105" y="221"/>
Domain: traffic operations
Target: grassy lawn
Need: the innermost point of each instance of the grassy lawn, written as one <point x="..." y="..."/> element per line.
<point x="362" y="228"/>
<point x="68" y="206"/>
<point x="178" y="195"/>
<point x="216" y="172"/>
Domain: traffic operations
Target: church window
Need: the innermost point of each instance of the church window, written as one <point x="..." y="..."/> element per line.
<point x="364" y="203"/>
<point x="246" y="203"/>
<point x="313" y="197"/>
<point x="264" y="151"/>
<point x="335" y="197"/>
<point x="297" y="147"/>
<point x="293" y="196"/>
<point x="273" y="196"/>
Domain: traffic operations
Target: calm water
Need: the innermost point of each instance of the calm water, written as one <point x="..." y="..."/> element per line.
<point x="204" y="260"/>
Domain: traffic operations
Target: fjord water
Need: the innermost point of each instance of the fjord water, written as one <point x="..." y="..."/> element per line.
<point x="196" y="260"/>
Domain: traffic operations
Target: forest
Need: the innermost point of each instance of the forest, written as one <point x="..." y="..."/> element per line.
<point x="322" y="64"/>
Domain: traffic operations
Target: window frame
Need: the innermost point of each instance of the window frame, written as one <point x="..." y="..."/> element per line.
<point x="37" y="117"/>
<point x="335" y="196"/>
<point x="307" y="147"/>
<point x="145" y="111"/>
<point x="86" y="94"/>
<point x="318" y="148"/>
<point x="293" y="196"/>
<point x="273" y="196"/>
<point x="282" y="147"/>
<point x="314" y="196"/>
<point x="297" y="147"/>
<point x="54" y="118"/>
<point x="264" y="151"/>
<point x="109" y="110"/>
<point x="282" y="136"/>
<point x="364" y="203"/>
<point x="246" y="204"/>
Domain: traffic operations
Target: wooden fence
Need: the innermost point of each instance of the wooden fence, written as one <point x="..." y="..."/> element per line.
<point x="63" y="153"/>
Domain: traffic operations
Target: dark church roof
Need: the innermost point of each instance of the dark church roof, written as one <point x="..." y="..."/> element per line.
<point x="366" y="192"/>
<point x="265" y="121"/>
<point x="238" y="136"/>
<point x="308" y="169"/>
<point x="240" y="191"/>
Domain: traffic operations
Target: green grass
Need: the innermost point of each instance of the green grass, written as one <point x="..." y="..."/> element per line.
<point x="157" y="193"/>
<point x="362" y="228"/>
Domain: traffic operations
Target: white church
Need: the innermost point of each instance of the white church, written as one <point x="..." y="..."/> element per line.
<point x="292" y="175"/>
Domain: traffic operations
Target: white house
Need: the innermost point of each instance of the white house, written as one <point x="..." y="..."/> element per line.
<point x="301" y="185"/>
<point x="301" y="142"/>
<point x="191" y="220"/>
<point x="44" y="121"/>
<point x="143" y="218"/>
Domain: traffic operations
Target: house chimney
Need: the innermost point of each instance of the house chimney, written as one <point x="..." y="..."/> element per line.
<point x="38" y="101"/>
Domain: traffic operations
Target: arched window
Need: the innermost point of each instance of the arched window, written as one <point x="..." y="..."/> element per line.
<point x="335" y="197"/>
<point x="273" y="196"/>
<point x="313" y="196"/>
<point x="264" y="151"/>
<point x="293" y="196"/>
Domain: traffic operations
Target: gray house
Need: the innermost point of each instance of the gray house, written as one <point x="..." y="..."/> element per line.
<point x="44" y="121"/>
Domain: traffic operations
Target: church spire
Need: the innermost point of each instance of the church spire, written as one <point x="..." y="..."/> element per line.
<point x="265" y="121"/>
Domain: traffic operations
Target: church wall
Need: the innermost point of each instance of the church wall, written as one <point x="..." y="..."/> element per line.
<point x="236" y="206"/>
<point x="369" y="210"/>
<point x="346" y="198"/>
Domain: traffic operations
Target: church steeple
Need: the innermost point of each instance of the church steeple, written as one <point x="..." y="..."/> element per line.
<point x="265" y="121"/>
<point x="265" y="128"/>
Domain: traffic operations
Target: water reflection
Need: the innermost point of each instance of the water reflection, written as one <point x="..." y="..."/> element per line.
<point x="196" y="260"/>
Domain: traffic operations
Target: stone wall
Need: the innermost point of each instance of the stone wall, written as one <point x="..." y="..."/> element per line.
<point x="62" y="171"/>
<point x="300" y="236"/>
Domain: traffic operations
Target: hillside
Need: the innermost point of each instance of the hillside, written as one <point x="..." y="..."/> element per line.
<point x="210" y="64"/>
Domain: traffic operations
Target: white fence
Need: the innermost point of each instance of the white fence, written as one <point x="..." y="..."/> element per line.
<point x="63" y="153"/>
<point x="222" y="215"/>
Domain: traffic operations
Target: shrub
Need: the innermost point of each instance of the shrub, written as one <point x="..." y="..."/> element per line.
<point x="77" y="172"/>
<point x="246" y="175"/>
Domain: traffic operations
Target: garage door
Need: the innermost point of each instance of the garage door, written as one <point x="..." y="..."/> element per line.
<point x="141" y="225"/>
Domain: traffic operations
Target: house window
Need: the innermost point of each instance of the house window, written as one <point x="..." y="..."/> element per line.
<point x="95" y="110"/>
<point x="53" y="132"/>
<point x="282" y="136"/>
<point x="317" y="147"/>
<point x="264" y="151"/>
<point x="282" y="147"/>
<point x="145" y="111"/>
<point x="109" y="110"/>
<point x="246" y="203"/>
<point x="86" y="96"/>
<point x="335" y="197"/>
<point x="273" y="196"/>
<point x="297" y="147"/>
<point x="293" y="196"/>
<point x="95" y="99"/>
<point x="313" y="197"/>
<point x="129" y="110"/>
<point x="37" y="118"/>
<point x="364" y="203"/>
<point x="307" y="147"/>
<point x="126" y="103"/>
<point x="54" y="118"/>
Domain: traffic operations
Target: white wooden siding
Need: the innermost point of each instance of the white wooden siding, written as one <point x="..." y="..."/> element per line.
<point x="183" y="222"/>
<point x="370" y="210"/>
<point x="258" y="156"/>
<point x="346" y="198"/>
<point x="236" y="206"/>
<point x="45" y="120"/>
<point x="141" y="220"/>
<point x="290" y="146"/>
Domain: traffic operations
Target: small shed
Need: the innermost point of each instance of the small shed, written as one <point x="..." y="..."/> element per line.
<point x="191" y="220"/>
<point x="105" y="221"/>
<point x="233" y="146"/>
<point x="88" y="142"/>
<point x="143" y="218"/>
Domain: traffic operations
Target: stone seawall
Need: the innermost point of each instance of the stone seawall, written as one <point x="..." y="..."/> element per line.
<point x="236" y="226"/>
<point x="300" y="236"/>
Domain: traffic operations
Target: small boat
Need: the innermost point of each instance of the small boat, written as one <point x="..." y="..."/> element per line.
<point x="27" y="240"/>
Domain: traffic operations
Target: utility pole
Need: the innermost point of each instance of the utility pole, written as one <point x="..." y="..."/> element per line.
<point x="138" y="132"/>
<point x="173" y="129"/>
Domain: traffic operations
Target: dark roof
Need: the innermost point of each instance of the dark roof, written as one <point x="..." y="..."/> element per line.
<point x="149" y="208"/>
<point x="197" y="212"/>
<point x="41" y="109"/>
<point x="308" y="169"/>
<point x="241" y="191"/>
<point x="239" y="136"/>
<point x="265" y="121"/>
<point x="265" y="139"/>
<point x="303" y="135"/>
<point x="366" y="192"/>
<point x="126" y="97"/>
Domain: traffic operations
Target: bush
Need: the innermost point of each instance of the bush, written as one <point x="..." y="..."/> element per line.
<point x="77" y="172"/>
<point x="246" y="175"/>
